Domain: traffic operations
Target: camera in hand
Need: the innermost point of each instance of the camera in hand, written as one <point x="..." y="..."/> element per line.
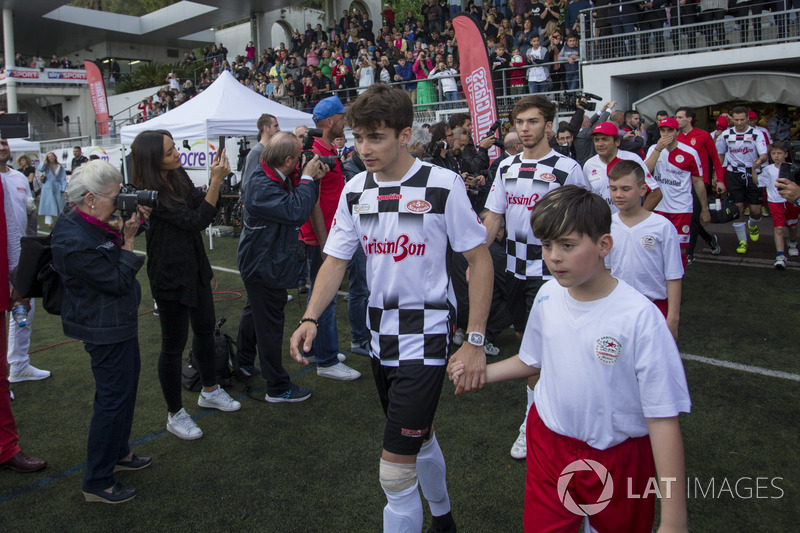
<point x="493" y="131"/>
<point x="569" y="100"/>
<point x="308" y="142"/>
<point x="130" y="197"/>
<point x="563" y="149"/>
<point x="436" y="148"/>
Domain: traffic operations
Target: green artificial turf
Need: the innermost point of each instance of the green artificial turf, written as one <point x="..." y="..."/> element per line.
<point x="313" y="466"/>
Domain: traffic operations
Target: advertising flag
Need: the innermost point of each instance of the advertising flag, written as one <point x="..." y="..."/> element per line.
<point x="98" y="94"/>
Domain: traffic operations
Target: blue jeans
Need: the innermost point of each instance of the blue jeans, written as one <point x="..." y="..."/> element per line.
<point x="573" y="80"/>
<point x="451" y="96"/>
<point x="326" y="345"/>
<point x="537" y="87"/>
<point x="358" y="293"/>
<point x="116" y="377"/>
<point x="454" y="10"/>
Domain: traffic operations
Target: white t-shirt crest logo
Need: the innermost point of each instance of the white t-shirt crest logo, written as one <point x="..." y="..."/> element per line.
<point x="679" y="158"/>
<point x="648" y="242"/>
<point x="607" y="349"/>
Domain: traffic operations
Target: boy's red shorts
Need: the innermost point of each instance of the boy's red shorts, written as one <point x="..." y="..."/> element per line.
<point x="566" y="473"/>
<point x="783" y="214"/>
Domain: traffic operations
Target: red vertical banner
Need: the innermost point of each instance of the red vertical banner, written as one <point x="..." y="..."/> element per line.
<point x="97" y="92"/>
<point x="476" y="77"/>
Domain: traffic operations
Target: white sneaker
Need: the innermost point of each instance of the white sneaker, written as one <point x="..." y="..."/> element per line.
<point x="182" y="426"/>
<point x="793" y="249"/>
<point x="220" y="400"/>
<point x="520" y="447"/>
<point x="27" y="373"/>
<point x="490" y="349"/>
<point x="780" y="262"/>
<point x="341" y="357"/>
<point x="11" y="392"/>
<point x="459" y="336"/>
<point x="339" y="371"/>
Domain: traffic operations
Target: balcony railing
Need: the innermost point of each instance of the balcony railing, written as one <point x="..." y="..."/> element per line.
<point x="603" y="46"/>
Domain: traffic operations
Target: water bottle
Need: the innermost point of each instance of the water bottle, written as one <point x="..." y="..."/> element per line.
<point x="20" y="314"/>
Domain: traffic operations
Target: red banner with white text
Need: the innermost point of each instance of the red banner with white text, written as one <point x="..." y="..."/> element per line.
<point x="476" y="78"/>
<point x="97" y="92"/>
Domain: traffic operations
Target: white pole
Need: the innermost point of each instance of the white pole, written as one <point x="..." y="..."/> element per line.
<point x="8" y="44"/>
<point x="208" y="181"/>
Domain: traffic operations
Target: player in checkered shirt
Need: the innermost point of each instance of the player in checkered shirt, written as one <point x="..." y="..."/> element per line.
<point x="404" y="213"/>
<point x="521" y="181"/>
<point x="743" y="148"/>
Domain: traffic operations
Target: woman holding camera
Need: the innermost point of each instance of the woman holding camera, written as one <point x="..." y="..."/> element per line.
<point x="179" y="271"/>
<point x="54" y="183"/>
<point x="94" y="257"/>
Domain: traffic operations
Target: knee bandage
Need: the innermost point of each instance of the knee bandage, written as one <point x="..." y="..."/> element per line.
<point x="396" y="477"/>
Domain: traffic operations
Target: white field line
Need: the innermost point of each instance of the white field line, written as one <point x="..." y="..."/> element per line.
<point x="743" y="368"/>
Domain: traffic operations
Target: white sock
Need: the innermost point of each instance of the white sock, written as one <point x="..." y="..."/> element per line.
<point x="403" y="511"/>
<point x="431" y="472"/>
<point x="753" y="222"/>
<point x="209" y="394"/>
<point x="738" y="227"/>
<point x="530" y="401"/>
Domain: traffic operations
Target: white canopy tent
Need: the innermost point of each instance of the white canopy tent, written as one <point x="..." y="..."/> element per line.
<point x="24" y="145"/>
<point x="226" y="107"/>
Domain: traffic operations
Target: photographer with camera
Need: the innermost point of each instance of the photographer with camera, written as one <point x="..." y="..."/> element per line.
<point x="476" y="156"/>
<point x="278" y="199"/>
<point x="179" y="271"/>
<point x="329" y="118"/>
<point x="440" y="147"/>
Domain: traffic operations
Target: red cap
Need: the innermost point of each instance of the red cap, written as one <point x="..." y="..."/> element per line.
<point x="722" y="123"/>
<point x="606" y="128"/>
<point x="752" y="114"/>
<point x="668" y="122"/>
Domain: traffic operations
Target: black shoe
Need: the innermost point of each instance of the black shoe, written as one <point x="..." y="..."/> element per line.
<point x="119" y="494"/>
<point x="714" y="244"/>
<point x="443" y="524"/>
<point x="689" y="259"/>
<point x="302" y="288"/>
<point x="136" y="463"/>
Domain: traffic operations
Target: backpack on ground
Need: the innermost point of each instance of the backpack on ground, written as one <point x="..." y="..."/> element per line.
<point x="224" y="357"/>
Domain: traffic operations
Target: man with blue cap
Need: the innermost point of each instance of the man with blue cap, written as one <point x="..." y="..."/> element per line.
<point x="329" y="118"/>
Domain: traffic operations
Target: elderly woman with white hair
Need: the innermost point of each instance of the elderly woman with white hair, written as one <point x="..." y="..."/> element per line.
<point x="93" y="254"/>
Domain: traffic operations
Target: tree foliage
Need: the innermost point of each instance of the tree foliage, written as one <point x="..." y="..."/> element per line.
<point x="124" y="7"/>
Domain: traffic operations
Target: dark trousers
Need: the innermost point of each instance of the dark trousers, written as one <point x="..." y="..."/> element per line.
<point x="267" y="306"/>
<point x="175" y="320"/>
<point x="697" y="229"/>
<point x="246" y="340"/>
<point x="717" y="28"/>
<point x="116" y="377"/>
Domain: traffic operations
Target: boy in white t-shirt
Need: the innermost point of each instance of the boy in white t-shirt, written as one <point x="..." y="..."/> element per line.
<point x="605" y="417"/>
<point x="646" y="253"/>
<point x="784" y="214"/>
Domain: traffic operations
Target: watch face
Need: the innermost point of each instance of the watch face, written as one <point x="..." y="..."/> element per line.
<point x="475" y="338"/>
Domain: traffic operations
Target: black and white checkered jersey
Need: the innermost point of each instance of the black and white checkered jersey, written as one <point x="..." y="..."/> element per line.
<point x="404" y="227"/>
<point x="741" y="149"/>
<point x="518" y="186"/>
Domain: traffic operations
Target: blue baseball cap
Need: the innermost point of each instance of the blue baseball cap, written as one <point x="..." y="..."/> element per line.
<point x="327" y="107"/>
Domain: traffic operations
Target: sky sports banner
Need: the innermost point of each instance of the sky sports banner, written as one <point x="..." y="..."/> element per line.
<point x="48" y="75"/>
<point x="98" y="93"/>
<point x="476" y="78"/>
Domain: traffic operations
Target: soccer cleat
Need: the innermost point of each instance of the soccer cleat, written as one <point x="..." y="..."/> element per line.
<point x="753" y="231"/>
<point x="764" y="211"/>
<point x="490" y="349"/>
<point x="459" y="336"/>
<point x="295" y="393"/>
<point x="793" y="249"/>
<point x="182" y="426"/>
<point x="742" y="248"/>
<point x="338" y="371"/>
<point x="520" y="447"/>
<point x="27" y="373"/>
<point x="716" y="249"/>
<point x="220" y="400"/>
<point x="780" y="262"/>
<point x="747" y="211"/>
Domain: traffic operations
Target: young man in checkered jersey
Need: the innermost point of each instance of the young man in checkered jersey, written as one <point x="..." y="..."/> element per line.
<point x="521" y="181"/>
<point x="404" y="213"/>
<point x="677" y="169"/>
<point x="743" y="148"/>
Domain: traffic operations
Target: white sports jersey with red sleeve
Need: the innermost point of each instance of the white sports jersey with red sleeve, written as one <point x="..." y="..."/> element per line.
<point x="741" y="149"/>
<point x="769" y="179"/>
<point x="596" y="173"/>
<point x="404" y="228"/>
<point x="646" y="255"/>
<point x="606" y="365"/>
<point x="517" y="187"/>
<point x="673" y="172"/>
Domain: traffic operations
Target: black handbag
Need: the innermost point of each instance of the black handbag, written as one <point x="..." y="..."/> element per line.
<point x="34" y="276"/>
<point x="722" y="210"/>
